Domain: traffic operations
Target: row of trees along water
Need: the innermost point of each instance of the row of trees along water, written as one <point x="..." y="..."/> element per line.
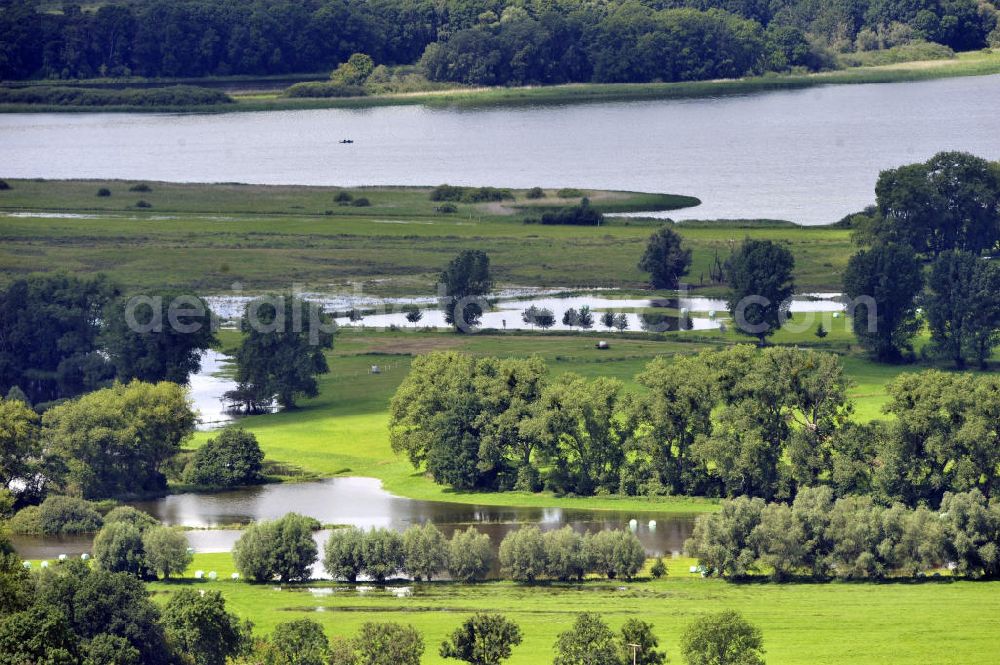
<point x="738" y="421"/>
<point x="284" y="550"/>
<point x="477" y="42"/>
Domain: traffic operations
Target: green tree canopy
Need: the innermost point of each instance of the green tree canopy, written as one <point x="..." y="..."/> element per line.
<point x="166" y="550"/>
<point x="301" y="642"/>
<point x="882" y="283"/>
<point x="198" y="624"/>
<point x="157" y="337"/>
<point x="388" y="644"/>
<point x="49" y="327"/>
<point x="482" y="639"/>
<point x="463" y="284"/>
<point x="963" y="307"/>
<point x="114" y="440"/>
<point x="470" y="555"/>
<point x="231" y="459"/>
<point x="665" y="259"/>
<point x="343" y="555"/>
<point x="588" y="641"/>
<point x="949" y="202"/>
<point x="282" y="352"/>
<point x="425" y="551"/>
<point x="761" y="284"/>
<point x="281" y="548"/>
<point x="725" y="638"/>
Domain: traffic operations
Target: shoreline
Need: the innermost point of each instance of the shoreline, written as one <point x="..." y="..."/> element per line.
<point x="979" y="63"/>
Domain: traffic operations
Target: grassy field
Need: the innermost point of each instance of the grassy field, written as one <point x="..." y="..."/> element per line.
<point x="207" y="237"/>
<point x="977" y="63"/>
<point x="940" y="622"/>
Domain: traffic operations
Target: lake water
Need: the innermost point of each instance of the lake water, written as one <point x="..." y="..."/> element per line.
<point x="363" y="503"/>
<point x="809" y="156"/>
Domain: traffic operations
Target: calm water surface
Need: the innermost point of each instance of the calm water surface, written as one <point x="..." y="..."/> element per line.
<point x="363" y="503"/>
<point x="809" y="156"/>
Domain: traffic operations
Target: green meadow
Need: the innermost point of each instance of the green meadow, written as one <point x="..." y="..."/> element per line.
<point x="939" y="621"/>
<point x="208" y="237"/>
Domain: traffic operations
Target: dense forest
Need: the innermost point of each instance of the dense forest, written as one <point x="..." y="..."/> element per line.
<point x="473" y="41"/>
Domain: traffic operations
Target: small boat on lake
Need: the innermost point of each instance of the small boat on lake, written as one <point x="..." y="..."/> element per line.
<point x="346" y="141"/>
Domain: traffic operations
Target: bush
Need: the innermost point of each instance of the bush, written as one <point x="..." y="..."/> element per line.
<point x="323" y="89"/>
<point x="179" y="95"/>
<point x="143" y="204"/>
<point x="659" y="569"/>
<point x="343" y="197"/>
<point x="382" y="554"/>
<point x="231" y="459"/>
<point x="57" y="515"/>
<point x="282" y="549"/>
<point x="130" y="515"/>
<point x="446" y="208"/>
<point x="166" y="551"/>
<point x="343" y="556"/>
<point x="569" y="193"/>
<point x="355" y="71"/>
<point x="118" y="548"/>
<point x="140" y="187"/>
<point x="4" y="185"/>
<point x="522" y="555"/>
<point x="361" y="202"/>
<point x="535" y="193"/>
<point x="470" y="194"/>
<point x="897" y="54"/>
<point x="27" y="521"/>
<point x="581" y="215"/>
<point x="470" y="555"/>
<point x="104" y="191"/>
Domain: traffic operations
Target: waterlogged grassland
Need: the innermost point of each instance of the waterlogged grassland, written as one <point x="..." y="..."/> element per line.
<point x="206" y="237"/>
<point x="941" y="622"/>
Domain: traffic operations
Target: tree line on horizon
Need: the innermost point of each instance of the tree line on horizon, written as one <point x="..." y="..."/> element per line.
<point x="476" y="42"/>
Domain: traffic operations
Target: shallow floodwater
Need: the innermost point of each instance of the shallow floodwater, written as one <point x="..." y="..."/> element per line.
<point x="363" y="503"/>
<point x="809" y="156"/>
<point x="507" y="309"/>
